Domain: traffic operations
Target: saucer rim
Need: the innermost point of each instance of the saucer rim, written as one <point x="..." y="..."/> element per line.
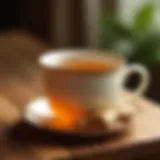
<point x="80" y="134"/>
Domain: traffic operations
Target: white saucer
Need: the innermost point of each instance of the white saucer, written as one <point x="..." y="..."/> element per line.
<point x="38" y="110"/>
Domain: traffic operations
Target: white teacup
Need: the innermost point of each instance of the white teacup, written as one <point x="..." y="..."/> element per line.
<point x="74" y="94"/>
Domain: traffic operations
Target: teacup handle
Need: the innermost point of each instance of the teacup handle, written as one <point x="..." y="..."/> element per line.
<point x="110" y="116"/>
<point x="144" y="77"/>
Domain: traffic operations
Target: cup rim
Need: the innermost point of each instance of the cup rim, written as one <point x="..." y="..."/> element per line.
<point x="46" y="57"/>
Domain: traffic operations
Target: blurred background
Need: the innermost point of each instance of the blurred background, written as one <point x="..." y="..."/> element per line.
<point x="130" y="28"/>
<point x="62" y="23"/>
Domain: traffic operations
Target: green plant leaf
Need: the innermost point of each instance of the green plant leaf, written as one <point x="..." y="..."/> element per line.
<point x="147" y="49"/>
<point x="112" y="25"/>
<point x="141" y="43"/>
<point x="143" y="18"/>
<point x="114" y="31"/>
<point x="123" y="46"/>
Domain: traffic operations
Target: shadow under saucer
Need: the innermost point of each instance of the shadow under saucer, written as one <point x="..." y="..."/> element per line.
<point x="25" y="134"/>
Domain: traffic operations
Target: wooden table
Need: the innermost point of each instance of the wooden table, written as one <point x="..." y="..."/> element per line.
<point x="20" y="83"/>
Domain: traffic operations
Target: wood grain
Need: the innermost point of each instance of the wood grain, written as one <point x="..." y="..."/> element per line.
<point x="20" y="83"/>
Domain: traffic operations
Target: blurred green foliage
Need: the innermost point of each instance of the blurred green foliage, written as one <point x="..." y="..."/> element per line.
<point x="137" y="41"/>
